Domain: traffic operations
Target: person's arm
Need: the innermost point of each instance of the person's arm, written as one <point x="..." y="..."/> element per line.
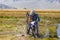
<point x="26" y="16"/>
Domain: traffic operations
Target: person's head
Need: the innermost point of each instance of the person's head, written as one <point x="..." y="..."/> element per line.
<point x="32" y="12"/>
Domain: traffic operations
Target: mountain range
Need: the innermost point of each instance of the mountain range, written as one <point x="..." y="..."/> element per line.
<point x="3" y="6"/>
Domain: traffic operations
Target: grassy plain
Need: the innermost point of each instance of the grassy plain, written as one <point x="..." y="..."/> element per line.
<point x="14" y="22"/>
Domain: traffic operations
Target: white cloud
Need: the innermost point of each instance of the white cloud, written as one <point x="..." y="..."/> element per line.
<point x="33" y="4"/>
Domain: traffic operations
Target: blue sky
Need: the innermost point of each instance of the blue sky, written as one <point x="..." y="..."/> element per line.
<point x="32" y="4"/>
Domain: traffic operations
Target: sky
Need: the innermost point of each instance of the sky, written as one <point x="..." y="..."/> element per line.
<point x="32" y="4"/>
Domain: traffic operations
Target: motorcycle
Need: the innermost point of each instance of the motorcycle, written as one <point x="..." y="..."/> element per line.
<point x="33" y="31"/>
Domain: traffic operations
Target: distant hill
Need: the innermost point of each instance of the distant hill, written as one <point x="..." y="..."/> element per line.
<point x="3" y="6"/>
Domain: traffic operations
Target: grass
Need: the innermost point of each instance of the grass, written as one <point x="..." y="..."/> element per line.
<point x="8" y="24"/>
<point x="15" y="22"/>
<point x="12" y="37"/>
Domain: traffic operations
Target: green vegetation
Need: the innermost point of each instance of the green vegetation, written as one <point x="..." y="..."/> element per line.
<point x="8" y="24"/>
<point x="13" y="22"/>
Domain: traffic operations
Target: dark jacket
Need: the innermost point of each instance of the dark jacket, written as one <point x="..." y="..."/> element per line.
<point x="35" y="17"/>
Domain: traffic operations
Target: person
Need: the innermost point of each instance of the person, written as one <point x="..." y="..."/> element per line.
<point x="27" y="18"/>
<point x="28" y="21"/>
<point x="34" y="17"/>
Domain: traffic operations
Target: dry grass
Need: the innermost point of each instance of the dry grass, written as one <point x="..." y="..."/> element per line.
<point x="22" y="13"/>
<point x="10" y="37"/>
<point x="18" y="25"/>
<point x="11" y="24"/>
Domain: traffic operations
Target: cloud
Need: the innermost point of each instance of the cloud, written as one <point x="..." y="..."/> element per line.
<point x="32" y="4"/>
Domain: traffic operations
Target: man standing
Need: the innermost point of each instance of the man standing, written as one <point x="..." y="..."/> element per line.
<point x="34" y="17"/>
